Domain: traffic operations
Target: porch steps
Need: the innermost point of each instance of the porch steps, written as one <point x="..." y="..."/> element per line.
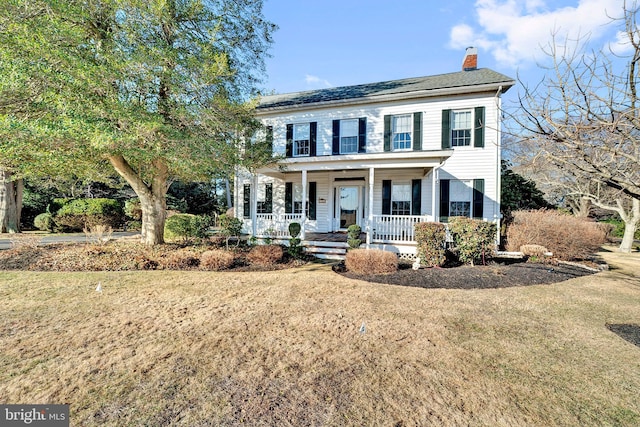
<point x="326" y="250"/>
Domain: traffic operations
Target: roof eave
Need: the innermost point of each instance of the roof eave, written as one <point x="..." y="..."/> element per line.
<point x="427" y="93"/>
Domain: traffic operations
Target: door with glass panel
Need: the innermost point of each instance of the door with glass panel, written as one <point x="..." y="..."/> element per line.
<point x="348" y="204"/>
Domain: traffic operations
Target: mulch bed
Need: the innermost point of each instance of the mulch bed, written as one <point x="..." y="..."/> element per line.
<point x="476" y="277"/>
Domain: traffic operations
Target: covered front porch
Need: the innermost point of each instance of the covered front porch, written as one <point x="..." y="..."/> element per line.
<point x="379" y="229"/>
<point x="386" y="194"/>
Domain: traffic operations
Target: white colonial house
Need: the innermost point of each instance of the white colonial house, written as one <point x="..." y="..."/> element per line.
<point x="381" y="155"/>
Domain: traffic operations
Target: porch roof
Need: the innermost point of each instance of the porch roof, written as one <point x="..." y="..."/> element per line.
<point x="385" y="160"/>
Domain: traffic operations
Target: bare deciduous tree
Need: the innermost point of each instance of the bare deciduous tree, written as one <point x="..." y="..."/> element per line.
<point x="583" y="121"/>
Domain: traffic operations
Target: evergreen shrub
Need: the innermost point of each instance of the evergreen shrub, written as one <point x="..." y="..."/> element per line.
<point x="431" y="239"/>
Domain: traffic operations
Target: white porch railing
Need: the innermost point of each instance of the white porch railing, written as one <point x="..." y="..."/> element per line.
<point x="275" y="225"/>
<point x="395" y="228"/>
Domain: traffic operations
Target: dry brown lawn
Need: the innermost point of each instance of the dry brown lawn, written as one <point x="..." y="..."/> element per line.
<point x="288" y="348"/>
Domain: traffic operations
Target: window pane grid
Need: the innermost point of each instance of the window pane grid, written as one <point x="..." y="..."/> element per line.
<point x="348" y="144"/>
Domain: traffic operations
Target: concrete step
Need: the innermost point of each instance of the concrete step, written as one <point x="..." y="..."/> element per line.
<point x="329" y="256"/>
<point x="326" y="252"/>
<point x="324" y="244"/>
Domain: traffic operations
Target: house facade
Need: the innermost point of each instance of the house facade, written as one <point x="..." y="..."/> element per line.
<point x="382" y="155"/>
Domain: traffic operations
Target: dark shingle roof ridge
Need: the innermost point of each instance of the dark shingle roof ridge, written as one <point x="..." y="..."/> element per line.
<point x="445" y="80"/>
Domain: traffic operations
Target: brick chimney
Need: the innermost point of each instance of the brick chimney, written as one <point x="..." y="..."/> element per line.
<point x="470" y="59"/>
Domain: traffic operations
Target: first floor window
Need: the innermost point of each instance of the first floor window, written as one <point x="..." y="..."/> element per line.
<point x="348" y="136"/>
<point x="301" y="139"/>
<point x="401" y="132"/>
<point x="460" y="196"/>
<point x="461" y="128"/>
<point x="265" y="199"/>
<point x="401" y="199"/>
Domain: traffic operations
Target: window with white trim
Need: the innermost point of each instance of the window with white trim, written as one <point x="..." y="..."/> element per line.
<point x="401" y="131"/>
<point x="401" y="199"/>
<point x="460" y="198"/>
<point x="301" y="139"/>
<point x="348" y="136"/>
<point x="297" y="199"/>
<point x="461" y="128"/>
<point x="265" y="199"/>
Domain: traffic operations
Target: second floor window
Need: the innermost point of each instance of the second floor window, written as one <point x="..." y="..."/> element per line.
<point x="301" y="139"/>
<point x="401" y="132"/>
<point x="461" y="128"/>
<point x="348" y="136"/>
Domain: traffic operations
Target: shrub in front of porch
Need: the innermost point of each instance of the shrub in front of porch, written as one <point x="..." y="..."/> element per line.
<point x="353" y="236"/>
<point x="371" y="261"/>
<point x="431" y="239"/>
<point x="216" y="259"/>
<point x="474" y="240"/>
<point x="265" y="255"/>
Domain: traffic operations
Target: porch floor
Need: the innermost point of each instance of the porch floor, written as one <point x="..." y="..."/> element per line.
<point x="340" y="237"/>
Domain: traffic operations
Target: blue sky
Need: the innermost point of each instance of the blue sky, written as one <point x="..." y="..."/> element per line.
<point x="327" y="43"/>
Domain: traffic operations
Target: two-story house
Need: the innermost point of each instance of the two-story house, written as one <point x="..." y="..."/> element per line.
<point x="381" y="155"/>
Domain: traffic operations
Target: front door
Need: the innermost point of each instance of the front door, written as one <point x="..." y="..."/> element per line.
<point x="348" y="203"/>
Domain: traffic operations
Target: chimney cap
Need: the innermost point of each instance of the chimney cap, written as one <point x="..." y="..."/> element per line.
<point x="470" y="61"/>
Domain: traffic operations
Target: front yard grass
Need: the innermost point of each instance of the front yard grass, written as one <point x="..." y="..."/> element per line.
<point x="307" y="346"/>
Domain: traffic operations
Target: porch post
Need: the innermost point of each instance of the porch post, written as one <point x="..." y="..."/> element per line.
<point x="304" y="205"/>
<point x="433" y="193"/>
<point x="370" y="216"/>
<point x="254" y="205"/>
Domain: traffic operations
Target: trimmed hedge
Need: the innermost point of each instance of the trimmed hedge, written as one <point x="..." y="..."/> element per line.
<point x="78" y="214"/>
<point x="431" y="240"/>
<point x="371" y="261"/>
<point x="475" y="240"/>
<point x="186" y="226"/>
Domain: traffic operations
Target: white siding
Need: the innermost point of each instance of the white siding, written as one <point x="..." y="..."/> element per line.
<point x="466" y="163"/>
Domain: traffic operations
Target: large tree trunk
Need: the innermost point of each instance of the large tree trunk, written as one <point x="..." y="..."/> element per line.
<point x="631" y="222"/>
<point x="10" y="203"/>
<point x="153" y="197"/>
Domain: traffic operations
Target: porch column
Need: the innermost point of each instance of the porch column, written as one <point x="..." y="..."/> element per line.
<point x="304" y="205"/>
<point x="434" y="175"/>
<point x="254" y="205"/>
<point x="370" y="216"/>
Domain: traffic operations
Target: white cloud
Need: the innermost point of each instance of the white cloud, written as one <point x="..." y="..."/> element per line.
<point x="515" y="32"/>
<point x="315" y="82"/>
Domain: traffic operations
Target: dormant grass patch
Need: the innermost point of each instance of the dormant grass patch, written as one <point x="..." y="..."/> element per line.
<point x="288" y="348"/>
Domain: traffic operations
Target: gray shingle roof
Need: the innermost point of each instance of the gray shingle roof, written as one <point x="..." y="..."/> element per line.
<point x="461" y="79"/>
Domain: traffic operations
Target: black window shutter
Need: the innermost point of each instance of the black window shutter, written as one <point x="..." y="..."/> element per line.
<point x="444" y="200"/>
<point x="269" y="138"/>
<point x="417" y="131"/>
<point x="336" y="137"/>
<point x="387" y="133"/>
<point x="386" y="197"/>
<point x="446" y="129"/>
<point x="312" y="201"/>
<point x="289" y="147"/>
<point x="288" y="197"/>
<point x="313" y="131"/>
<point x="478" y="198"/>
<point x="416" y="196"/>
<point x="478" y="138"/>
<point x="246" y="200"/>
<point x="268" y="197"/>
<point x="362" y="135"/>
